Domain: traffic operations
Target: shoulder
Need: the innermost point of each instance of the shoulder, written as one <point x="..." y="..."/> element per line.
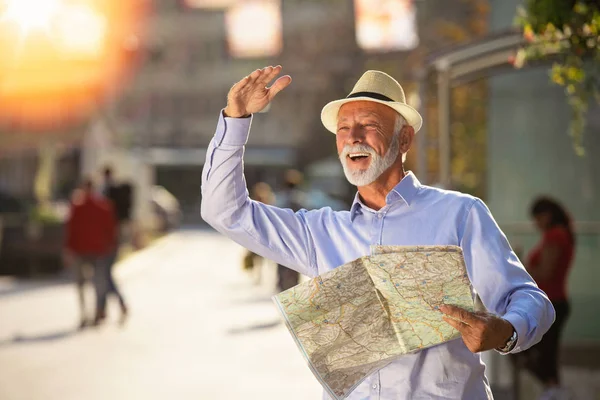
<point x="74" y="209"/>
<point x="430" y="195"/>
<point x="557" y="234"/>
<point x="467" y="211"/>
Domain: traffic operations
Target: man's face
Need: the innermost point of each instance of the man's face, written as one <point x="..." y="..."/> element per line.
<point x="366" y="142"/>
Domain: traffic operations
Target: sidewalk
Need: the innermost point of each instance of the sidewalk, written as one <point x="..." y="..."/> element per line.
<point x="199" y="329"/>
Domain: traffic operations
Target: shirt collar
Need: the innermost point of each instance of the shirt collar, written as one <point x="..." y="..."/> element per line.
<point x="406" y="190"/>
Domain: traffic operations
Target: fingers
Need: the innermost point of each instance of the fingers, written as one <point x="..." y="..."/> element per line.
<point x="240" y="85"/>
<point x="269" y="73"/>
<point x="254" y="76"/>
<point x="256" y="84"/>
<point x="279" y="85"/>
<point x="456" y="317"/>
<point x="261" y="77"/>
<point x="458" y="313"/>
<point x="456" y="324"/>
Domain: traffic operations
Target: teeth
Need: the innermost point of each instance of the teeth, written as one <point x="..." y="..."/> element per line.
<point x="352" y="155"/>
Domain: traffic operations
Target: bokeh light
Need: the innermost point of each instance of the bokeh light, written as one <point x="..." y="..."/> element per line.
<point x="21" y="12"/>
<point x="254" y="29"/>
<point x="386" y="25"/>
<point x="62" y="57"/>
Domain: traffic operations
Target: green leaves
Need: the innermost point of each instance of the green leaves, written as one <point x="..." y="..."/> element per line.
<point x="566" y="31"/>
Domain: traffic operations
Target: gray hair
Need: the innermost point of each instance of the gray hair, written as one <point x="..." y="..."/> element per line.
<point x="398" y="125"/>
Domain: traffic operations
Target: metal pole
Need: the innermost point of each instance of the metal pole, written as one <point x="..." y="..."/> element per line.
<point x="516" y="376"/>
<point x="1" y="232"/>
<point x="422" y="136"/>
<point x="444" y="123"/>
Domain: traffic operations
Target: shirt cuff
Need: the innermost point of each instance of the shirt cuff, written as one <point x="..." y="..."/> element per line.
<point x="233" y="131"/>
<point x="520" y="326"/>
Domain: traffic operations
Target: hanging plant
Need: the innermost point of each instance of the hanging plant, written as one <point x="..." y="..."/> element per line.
<point x="566" y="32"/>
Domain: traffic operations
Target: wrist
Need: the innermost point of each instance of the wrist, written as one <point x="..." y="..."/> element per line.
<point x="509" y="338"/>
<point x="233" y="114"/>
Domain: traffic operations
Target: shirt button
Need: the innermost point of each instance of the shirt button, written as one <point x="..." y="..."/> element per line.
<point x="375" y="386"/>
<point x="379" y="216"/>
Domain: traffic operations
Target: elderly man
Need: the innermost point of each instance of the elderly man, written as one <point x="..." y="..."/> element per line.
<point x="375" y="129"/>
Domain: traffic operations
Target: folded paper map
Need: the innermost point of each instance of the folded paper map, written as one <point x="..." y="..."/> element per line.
<point x="359" y="317"/>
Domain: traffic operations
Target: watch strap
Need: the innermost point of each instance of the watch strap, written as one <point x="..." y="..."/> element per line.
<point x="510" y="343"/>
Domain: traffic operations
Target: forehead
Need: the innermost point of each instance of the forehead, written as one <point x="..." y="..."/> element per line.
<point x="361" y="109"/>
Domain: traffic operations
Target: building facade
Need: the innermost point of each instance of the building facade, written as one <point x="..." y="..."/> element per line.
<point x="166" y="116"/>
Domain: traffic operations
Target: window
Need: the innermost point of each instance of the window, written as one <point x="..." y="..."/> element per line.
<point x="254" y="29"/>
<point x="208" y="4"/>
<point x="386" y="25"/>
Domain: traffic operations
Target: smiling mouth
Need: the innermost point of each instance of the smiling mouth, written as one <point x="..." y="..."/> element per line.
<point x="358" y="156"/>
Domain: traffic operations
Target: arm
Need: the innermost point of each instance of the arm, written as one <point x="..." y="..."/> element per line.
<point x="504" y="286"/>
<point x="69" y="229"/>
<point x="112" y="225"/>
<point x="278" y="234"/>
<point x="68" y="255"/>
<point x="548" y="261"/>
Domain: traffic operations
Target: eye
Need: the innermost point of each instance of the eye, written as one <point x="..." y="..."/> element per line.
<point x="343" y="128"/>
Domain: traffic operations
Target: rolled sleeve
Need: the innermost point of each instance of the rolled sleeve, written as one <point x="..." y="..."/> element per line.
<point x="233" y="131"/>
<point x="520" y="324"/>
<point x="230" y="132"/>
<point x="500" y="279"/>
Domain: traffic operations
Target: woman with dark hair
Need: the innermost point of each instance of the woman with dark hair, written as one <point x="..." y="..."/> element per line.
<point x="549" y="264"/>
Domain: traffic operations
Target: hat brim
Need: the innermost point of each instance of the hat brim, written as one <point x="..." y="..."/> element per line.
<point x="330" y="112"/>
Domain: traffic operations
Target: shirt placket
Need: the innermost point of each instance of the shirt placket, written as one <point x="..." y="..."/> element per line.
<point x="377" y="235"/>
<point x="375" y="386"/>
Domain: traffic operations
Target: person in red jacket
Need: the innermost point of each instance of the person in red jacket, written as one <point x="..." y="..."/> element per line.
<point x="91" y="234"/>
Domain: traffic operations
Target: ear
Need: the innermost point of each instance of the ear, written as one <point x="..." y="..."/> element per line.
<point x="407" y="135"/>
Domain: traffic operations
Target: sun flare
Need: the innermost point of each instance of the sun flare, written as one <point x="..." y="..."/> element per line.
<point x="30" y="15"/>
<point x="60" y="59"/>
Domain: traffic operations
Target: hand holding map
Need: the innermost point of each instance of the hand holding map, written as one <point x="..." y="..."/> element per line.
<point x="357" y="318"/>
<point x="480" y="330"/>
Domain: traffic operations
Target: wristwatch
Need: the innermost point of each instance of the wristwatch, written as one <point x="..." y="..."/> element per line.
<point x="510" y="343"/>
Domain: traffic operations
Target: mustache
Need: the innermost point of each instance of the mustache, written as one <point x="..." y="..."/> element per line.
<point x="357" y="148"/>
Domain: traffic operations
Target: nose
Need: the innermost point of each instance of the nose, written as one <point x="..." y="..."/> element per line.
<point x="356" y="135"/>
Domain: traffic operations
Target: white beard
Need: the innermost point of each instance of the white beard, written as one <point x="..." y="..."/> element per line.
<point x="378" y="165"/>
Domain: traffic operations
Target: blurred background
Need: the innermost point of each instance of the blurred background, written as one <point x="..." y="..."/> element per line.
<point x="511" y="112"/>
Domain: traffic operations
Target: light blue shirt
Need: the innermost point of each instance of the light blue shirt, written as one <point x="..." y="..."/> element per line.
<point x="314" y="242"/>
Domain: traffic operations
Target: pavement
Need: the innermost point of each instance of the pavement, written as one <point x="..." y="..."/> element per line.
<point x="199" y="328"/>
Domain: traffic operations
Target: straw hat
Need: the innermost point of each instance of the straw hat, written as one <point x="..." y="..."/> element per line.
<point x="374" y="86"/>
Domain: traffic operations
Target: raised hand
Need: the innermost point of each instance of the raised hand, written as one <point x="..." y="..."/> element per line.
<point x="251" y="94"/>
<point x="480" y="330"/>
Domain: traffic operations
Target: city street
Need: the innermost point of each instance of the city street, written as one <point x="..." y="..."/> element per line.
<point x="199" y="328"/>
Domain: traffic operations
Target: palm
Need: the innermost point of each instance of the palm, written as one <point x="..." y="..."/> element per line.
<point x="251" y="94"/>
<point x="253" y="100"/>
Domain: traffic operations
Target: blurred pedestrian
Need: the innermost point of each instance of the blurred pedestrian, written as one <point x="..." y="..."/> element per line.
<point x="263" y="193"/>
<point x="90" y="240"/>
<point x="119" y="196"/>
<point x="293" y="198"/>
<point x="549" y="263"/>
